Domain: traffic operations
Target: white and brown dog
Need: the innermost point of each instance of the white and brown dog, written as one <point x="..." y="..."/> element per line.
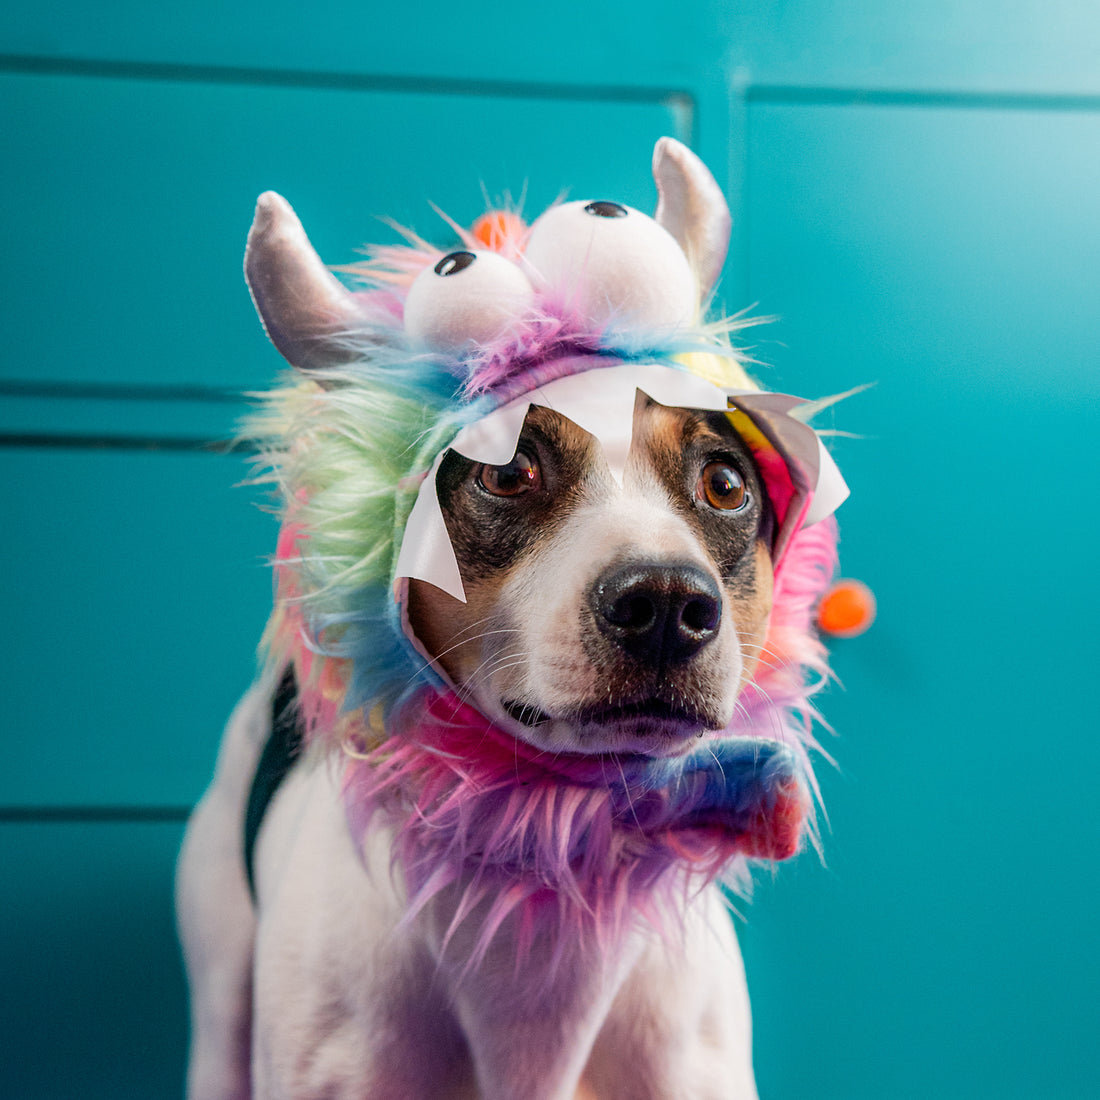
<point x="536" y="684"/>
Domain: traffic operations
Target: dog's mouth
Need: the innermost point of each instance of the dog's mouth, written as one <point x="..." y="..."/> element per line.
<point x="646" y="717"/>
<point x="647" y="712"/>
<point x="526" y="714"/>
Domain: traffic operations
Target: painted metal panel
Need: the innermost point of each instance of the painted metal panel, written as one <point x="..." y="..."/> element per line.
<point x="135" y="588"/>
<point x="928" y="45"/>
<point x="950" y="45"/>
<point x="93" y="1003"/>
<point x="96" y="416"/>
<point x="952" y="258"/>
<point x="649" y="42"/>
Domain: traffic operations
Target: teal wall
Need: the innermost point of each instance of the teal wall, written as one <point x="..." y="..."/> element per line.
<point x="915" y="188"/>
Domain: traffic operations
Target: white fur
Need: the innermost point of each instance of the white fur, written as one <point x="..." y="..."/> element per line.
<point x="341" y="1002"/>
<point x="317" y="988"/>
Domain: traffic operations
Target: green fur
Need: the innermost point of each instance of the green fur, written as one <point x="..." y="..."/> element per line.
<point x="346" y="459"/>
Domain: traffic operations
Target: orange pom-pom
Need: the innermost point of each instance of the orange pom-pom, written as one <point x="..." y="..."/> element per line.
<point x="499" y="230"/>
<point x="846" y="609"/>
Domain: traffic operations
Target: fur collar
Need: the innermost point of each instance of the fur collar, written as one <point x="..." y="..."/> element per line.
<point x="572" y="843"/>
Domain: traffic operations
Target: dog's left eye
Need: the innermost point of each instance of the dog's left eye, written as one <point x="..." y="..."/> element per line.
<point x="721" y="486"/>
<point x="521" y="475"/>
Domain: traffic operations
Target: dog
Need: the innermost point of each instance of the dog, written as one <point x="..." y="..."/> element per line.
<point x="537" y="679"/>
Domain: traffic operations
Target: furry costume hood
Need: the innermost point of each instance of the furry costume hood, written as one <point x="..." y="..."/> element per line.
<point x="428" y="351"/>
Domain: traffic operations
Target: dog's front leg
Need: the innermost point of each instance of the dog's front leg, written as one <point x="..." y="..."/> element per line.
<point x="530" y="1026"/>
<point x="534" y="1045"/>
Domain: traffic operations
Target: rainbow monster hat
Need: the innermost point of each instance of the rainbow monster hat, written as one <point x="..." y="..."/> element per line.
<point x="591" y="303"/>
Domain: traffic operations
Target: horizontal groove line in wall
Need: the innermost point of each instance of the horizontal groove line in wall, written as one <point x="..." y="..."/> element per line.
<point x="780" y="94"/>
<point x="91" y="814"/>
<point x="119" y="443"/>
<point x="231" y="74"/>
<point x="119" y="391"/>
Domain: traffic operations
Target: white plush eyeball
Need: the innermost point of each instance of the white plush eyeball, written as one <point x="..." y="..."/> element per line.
<point x="612" y="262"/>
<point x="465" y="299"/>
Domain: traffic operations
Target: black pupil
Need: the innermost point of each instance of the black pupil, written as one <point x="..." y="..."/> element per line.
<point x="517" y="475"/>
<point x="454" y="262"/>
<point x="605" y="210"/>
<point x="724" y="482"/>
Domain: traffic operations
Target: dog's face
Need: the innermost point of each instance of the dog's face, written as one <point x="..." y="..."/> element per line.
<point x="603" y="617"/>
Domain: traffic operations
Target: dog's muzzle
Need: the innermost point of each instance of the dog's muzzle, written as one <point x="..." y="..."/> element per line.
<point x="660" y="614"/>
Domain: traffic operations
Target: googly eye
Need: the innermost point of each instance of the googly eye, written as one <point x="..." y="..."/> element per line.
<point x="610" y="262"/>
<point x="605" y="210"/>
<point x="465" y="299"/>
<point x="454" y="262"/>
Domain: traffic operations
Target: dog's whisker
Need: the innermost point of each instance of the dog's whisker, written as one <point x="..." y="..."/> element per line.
<point x="717" y="761"/>
<point x="770" y="659"/>
<point x="471" y="627"/>
<point x="492" y="665"/>
<point x="424" y="665"/>
<point x="460" y="642"/>
<point x="627" y="791"/>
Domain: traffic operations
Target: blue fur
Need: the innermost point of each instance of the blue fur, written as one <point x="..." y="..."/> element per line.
<point x="734" y="780"/>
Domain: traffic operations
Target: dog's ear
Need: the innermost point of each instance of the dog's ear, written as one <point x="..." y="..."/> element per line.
<point x="310" y="317"/>
<point x="691" y="206"/>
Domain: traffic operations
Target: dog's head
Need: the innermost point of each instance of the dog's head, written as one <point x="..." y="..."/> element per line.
<point x="524" y="466"/>
<point x="599" y="615"/>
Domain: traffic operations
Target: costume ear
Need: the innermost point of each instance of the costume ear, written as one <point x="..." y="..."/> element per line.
<point x="691" y="206"/>
<point x="307" y="313"/>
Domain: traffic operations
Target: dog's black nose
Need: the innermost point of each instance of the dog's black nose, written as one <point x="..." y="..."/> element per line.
<point x="663" y="614"/>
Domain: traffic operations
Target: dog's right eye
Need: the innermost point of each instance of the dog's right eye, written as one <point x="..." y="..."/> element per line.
<point x="521" y="475"/>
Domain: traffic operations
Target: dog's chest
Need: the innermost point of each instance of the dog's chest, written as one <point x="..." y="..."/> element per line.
<point x="349" y="983"/>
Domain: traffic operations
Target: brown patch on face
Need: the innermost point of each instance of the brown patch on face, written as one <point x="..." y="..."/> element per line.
<point x="442" y="625"/>
<point x="751" y="600"/>
<point x="490" y="531"/>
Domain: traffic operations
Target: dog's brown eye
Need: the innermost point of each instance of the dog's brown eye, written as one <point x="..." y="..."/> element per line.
<point x="519" y="476"/>
<point x="721" y="486"/>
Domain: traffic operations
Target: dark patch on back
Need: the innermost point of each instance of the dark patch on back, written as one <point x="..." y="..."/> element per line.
<point x="282" y="748"/>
